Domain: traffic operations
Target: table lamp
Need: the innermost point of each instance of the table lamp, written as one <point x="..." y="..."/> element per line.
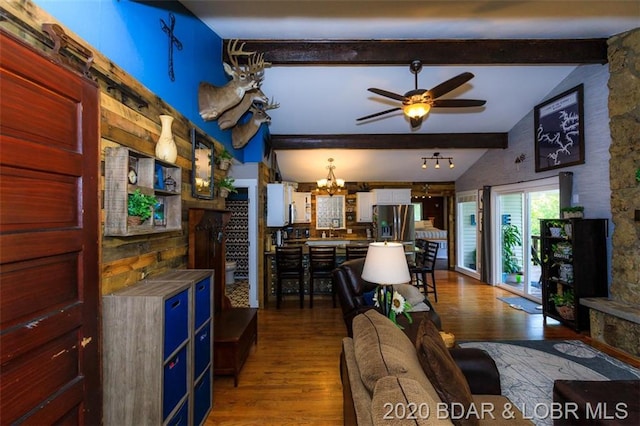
<point x="386" y="264"/>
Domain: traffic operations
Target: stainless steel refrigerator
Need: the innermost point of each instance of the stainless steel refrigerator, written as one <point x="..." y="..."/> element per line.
<point x="394" y="223"/>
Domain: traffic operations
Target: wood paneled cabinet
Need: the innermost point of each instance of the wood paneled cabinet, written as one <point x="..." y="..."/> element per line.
<point x="125" y="172"/>
<point x="158" y="350"/>
<point x="574" y="265"/>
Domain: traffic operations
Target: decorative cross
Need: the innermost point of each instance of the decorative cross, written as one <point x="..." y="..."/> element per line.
<point x="173" y="40"/>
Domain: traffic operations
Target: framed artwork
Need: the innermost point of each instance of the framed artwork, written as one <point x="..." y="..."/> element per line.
<point x="559" y="130"/>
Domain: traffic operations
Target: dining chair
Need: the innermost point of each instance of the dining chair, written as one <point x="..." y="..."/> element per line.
<point x="322" y="262"/>
<point x="289" y="266"/>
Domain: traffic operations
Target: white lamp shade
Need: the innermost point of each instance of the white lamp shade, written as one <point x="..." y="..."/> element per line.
<point x="386" y="264"/>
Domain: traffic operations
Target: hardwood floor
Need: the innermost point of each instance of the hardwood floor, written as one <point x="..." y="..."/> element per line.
<point x="292" y="376"/>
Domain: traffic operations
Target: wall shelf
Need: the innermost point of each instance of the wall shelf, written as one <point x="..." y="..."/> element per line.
<point x="126" y="171"/>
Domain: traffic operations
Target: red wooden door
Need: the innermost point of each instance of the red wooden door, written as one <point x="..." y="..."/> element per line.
<point x="49" y="230"/>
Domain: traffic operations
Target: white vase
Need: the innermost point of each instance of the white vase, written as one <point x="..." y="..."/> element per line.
<point x="166" y="149"/>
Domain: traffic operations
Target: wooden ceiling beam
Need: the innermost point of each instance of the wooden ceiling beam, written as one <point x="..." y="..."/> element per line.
<point x="391" y="141"/>
<point x="430" y="52"/>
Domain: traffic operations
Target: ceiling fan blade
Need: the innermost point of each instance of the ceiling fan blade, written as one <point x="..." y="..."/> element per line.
<point x="449" y="85"/>
<point x="457" y="103"/>
<point x="384" y="93"/>
<point x="366" y="117"/>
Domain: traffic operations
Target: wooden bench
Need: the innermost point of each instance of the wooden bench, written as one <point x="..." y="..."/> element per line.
<point x="235" y="330"/>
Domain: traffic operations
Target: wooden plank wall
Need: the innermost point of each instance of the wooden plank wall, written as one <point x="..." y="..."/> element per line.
<point x="125" y="260"/>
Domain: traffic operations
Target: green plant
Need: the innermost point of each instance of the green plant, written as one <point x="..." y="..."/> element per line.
<point x="228" y="183"/>
<point x="141" y="205"/>
<point x="511" y="238"/>
<point x="223" y="155"/>
<point x="638" y="175"/>
<point x="566" y="298"/>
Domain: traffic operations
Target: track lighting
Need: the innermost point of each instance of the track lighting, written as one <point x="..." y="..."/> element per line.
<point x="436" y="156"/>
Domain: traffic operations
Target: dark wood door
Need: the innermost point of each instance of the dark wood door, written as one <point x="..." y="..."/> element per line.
<point x="49" y="234"/>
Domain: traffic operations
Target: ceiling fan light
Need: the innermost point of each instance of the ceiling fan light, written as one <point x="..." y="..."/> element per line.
<point x="416" y="110"/>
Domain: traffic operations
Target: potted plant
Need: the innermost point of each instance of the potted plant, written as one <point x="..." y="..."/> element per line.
<point x="139" y="207"/>
<point x="223" y="159"/>
<point x="564" y="303"/>
<point x="226" y="185"/>
<point x="571" y="212"/>
<point x="511" y="238"/>
<point x="555" y="228"/>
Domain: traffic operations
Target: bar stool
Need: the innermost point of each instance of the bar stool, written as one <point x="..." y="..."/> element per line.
<point x="322" y="262"/>
<point x="425" y="265"/>
<point x="289" y="266"/>
<point x="356" y="251"/>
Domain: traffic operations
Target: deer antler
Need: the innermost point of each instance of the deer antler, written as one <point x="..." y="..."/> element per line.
<point x="256" y="66"/>
<point x="271" y="105"/>
<point x="233" y="52"/>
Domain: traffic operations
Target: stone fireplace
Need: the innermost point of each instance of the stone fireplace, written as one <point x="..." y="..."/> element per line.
<point x="616" y="320"/>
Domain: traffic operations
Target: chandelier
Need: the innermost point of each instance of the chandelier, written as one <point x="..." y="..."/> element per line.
<point x="330" y="183"/>
<point x="437" y="156"/>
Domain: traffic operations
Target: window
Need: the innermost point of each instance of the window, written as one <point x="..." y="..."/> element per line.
<point x="330" y="212"/>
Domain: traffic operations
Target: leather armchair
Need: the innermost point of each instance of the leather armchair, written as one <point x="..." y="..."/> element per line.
<point x="351" y="289"/>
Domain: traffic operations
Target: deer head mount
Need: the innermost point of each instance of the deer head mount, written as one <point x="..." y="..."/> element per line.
<point x="242" y="133"/>
<point x="214" y="100"/>
<point x="231" y="116"/>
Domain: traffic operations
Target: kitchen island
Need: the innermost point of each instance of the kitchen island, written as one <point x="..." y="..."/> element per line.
<point x="323" y="287"/>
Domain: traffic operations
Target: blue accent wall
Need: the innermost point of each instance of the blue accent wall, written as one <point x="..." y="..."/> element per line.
<point x="130" y="34"/>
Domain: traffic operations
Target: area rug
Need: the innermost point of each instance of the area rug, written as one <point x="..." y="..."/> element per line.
<point x="528" y="369"/>
<point x="522" y="304"/>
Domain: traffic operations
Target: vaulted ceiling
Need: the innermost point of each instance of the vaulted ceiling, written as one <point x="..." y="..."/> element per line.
<point x="326" y="54"/>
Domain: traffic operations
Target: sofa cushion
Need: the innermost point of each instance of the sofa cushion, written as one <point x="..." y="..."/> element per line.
<point x="402" y="401"/>
<point x="442" y="371"/>
<point x="382" y="349"/>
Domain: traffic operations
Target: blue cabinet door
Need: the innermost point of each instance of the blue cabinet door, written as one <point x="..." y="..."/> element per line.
<point x="202" y="291"/>
<point x="176" y="322"/>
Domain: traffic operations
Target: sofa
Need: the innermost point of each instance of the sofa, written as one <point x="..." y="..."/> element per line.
<point x="390" y="380"/>
<point x="351" y="290"/>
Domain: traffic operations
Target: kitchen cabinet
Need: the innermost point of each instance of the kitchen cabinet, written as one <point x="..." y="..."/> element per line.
<point x="386" y="196"/>
<point x="279" y="198"/>
<point x="574" y="259"/>
<point x="365" y="202"/>
<point x="158" y="350"/>
<point x="302" y="201"/>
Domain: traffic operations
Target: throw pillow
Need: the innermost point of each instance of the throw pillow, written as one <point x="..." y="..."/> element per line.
<point x="410" y="293"/>
<point x="444" y="374"/>
<point x="402" y="401"/>
<point x="368" y="298"/>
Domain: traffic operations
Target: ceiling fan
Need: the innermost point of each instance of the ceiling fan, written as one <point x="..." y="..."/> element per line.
<point x="417" y="103"/>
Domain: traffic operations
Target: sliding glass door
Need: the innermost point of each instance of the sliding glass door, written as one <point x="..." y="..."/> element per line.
<point x="468" y="235"/>
<point x="518" y="210"/>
